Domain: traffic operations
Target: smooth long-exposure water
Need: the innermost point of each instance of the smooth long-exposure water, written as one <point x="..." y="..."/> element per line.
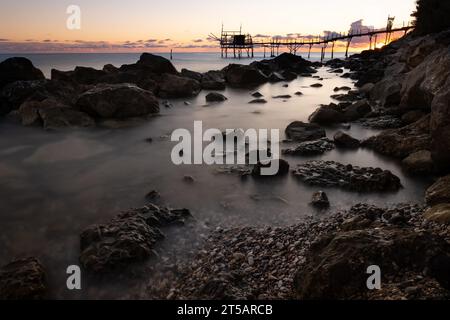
<point x="54" y="184"/>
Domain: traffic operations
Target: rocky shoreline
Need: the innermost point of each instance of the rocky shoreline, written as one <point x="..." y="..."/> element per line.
<point x="402" y="88"/>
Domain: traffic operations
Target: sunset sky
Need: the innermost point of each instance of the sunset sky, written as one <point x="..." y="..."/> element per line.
<point x="135" y="25"/>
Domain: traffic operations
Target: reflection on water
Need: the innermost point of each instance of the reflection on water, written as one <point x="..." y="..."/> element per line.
<point x="53" y="184"/>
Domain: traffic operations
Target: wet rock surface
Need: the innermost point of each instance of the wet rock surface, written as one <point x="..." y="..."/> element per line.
<point x="18" y="69"/>
<point x="293" y="262"/>
<point x="353" y="178"/>
<point x="310" y="148"/>
<point x="215" y="97"/>
<point x="117" y="101"/>
<point x="127" y="238"/>
<point x="301" y="131"/>
<point x="439" y="192"/>
<point x="344" y="140"/>
<point x="320" y="200"/>
<point x="23" y="279"/>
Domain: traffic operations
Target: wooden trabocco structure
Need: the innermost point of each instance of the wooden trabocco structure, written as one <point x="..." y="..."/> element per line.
<point x="243" y="44"/>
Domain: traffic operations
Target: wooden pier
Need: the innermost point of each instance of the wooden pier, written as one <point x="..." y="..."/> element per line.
<point x="242" y="45"/>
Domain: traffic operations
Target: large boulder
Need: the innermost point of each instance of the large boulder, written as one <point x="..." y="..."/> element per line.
<point x="343" y="140"/>
<point x="301" y="131"/>
<point x="402" y="142"/>
<point x="117" y="101"/>
<point x="16" y="93"/>
<point x="238" y="75"/>
<point x="156" y="64"/>
<point x="439" y="213"/>
<point x="127" y="238"/>
<point x="81" y="75"/>
<point x="215" y="97"/>
<point x="23" y="279"/>
<point x="213" y="80"/>
<point x="387" y="91"/>
<point x="337" y="263"/>
<point x="18" y="69"/>
<point x="357" y="110"/>
<point x="325" y="115"/>
<point x="439" y="192"/>
<point x="173" y="86"/>
<point x="440" y="128"/>
<point x="52" y="114"/>
<point x="426" y="80"/>
<point x="333" y="174"/>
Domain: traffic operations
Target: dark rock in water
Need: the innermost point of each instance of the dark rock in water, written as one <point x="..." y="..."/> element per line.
<point x="167" y="104"/>
<point x="257" y="95"/>
<point x="337" y="71"/>
<point x="326" y="116"/>
<point x="344" y="88"/>
<point x="357" y="110"/>
<point x="243" y="76"/>
<point x="283" y="168"/>
<point x="353" y="178"/>
<point x="419" y="162"/>
<point x="298" y="93"/>
<point x="310" y="148"/>
<point x="344" y="140"/>
<point x="23" y="279"/>
<point x="81" y="75"/>
<point x="402" y="142"/>
<point x="156" y="64"/>
<point x="189" y="179"/>
<point x="336" y="265"/>
<point x="439" y="192"/>
<point x="215" y="97"/>
<point x="127" y="238"/>
<point x="284" y="63"/>
<point x="18" y="69"/>
<point x="301" y="131"/>
<point x="258" y="101"/>
<point x="213" y="80"/>
<point x="316" y="85"/>
<point x="191" y="74"/>
<point x="306" y="75"/>
<point x="283" y="96"/>
<point x="173" y="86"/>
<point x="285" y="85"/>
<point x="320" y="200"/>
<point x="117" y="101"/>
<point x="153" y="195"/>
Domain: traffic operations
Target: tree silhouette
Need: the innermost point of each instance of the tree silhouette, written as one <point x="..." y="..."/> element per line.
<point x="432" y="16"/>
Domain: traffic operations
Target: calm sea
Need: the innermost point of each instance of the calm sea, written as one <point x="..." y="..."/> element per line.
<point x="200" y="62"/>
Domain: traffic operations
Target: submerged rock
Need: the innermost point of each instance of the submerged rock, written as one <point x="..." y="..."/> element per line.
<point x="257" y="95"/>
<point x="127" y="238"/>
<point x="300" y="131"/>
<point x="23" y="279"/>
<point x="117" y="101"/>
<point x="258" y="101"/>
<point x="344" y="140"/>
<point x="310" y="148"/>
<point x="353" y="178"/>
<point x="215" y="97"/>
<point x="316" y="85"/>
<point x="320" y="200"/>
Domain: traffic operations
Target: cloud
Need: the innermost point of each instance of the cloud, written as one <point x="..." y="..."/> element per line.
<point x="259" y="35"/>
<point x="197" y="40"/>
<point x="3" y="40"/>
